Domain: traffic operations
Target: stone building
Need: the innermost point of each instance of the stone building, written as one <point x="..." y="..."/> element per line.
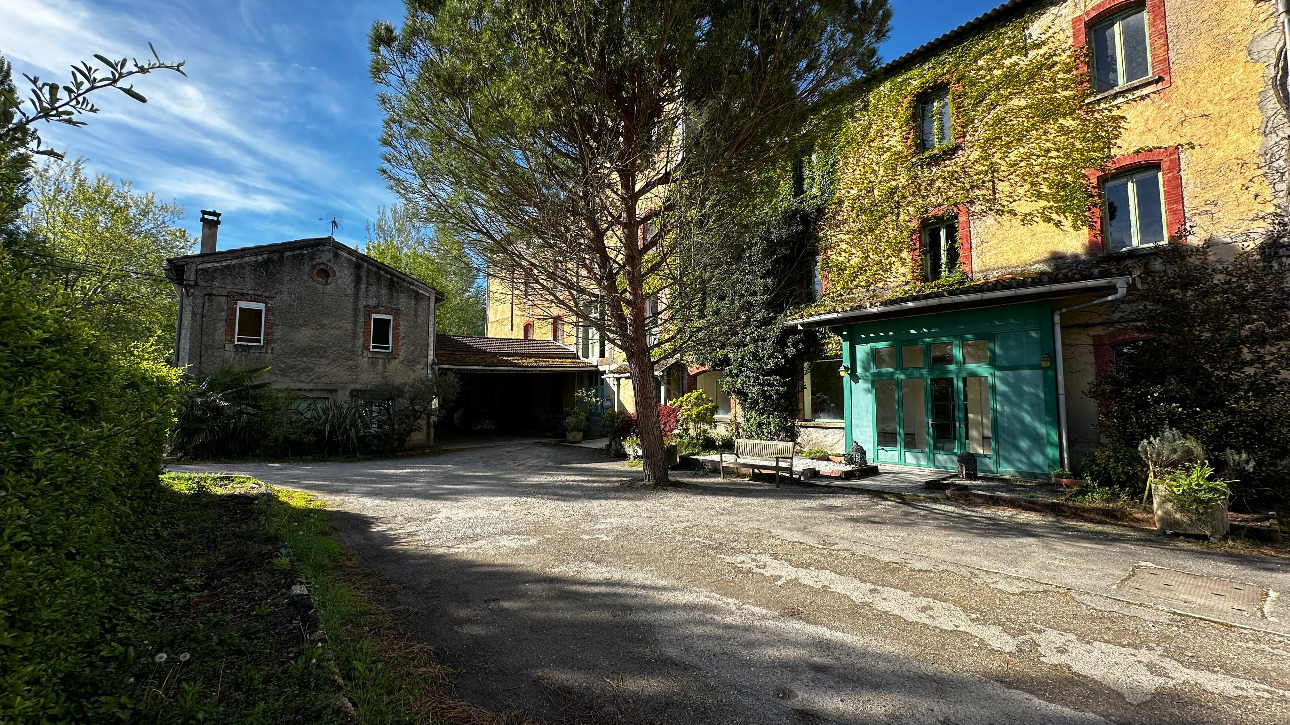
<point x="995" y="361"/>
<point x="325" y="318"/>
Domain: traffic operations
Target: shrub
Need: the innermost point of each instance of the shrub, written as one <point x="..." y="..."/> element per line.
<point x="627" y="426"/>
<point x="227" y="414"/>
<point x="697" y="414"/>
<point x="1114" y="466"/>
<point x="669" y="418"/>
<point x="609" y="419"/>
<point x="84" y="430"/>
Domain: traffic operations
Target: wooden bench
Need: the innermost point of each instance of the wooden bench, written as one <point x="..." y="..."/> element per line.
<point x="760" y="455"/>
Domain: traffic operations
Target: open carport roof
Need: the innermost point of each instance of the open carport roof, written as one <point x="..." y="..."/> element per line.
<point x="504" y="354"/>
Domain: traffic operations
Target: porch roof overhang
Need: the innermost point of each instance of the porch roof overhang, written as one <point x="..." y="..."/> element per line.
<point x="516" y="368"/>
<point x="968" y="298"/>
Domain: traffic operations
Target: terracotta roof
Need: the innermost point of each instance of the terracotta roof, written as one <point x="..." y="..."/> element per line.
<point x="265" y="249"/>
<point x="1001" y="13"/>
<point x="461" y="351"/>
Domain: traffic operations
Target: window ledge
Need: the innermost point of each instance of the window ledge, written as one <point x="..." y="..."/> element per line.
<point x="1139" y="251"/>
<point x="247" y="347"/>
<point x="379" y="354"/>
<point x="821" y="424"/>
<point x="1121" y="93"/>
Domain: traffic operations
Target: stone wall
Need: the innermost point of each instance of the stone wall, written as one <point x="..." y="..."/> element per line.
<point x="317" y="324"/>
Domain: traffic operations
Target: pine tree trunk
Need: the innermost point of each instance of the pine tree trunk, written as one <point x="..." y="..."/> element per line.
<point x="653" y="455"/>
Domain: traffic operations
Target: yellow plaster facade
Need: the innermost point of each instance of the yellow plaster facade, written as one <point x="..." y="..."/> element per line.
<point x="1211" y="111"/>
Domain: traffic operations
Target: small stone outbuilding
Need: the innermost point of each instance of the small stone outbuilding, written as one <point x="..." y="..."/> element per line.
<point x="325" y="318"/>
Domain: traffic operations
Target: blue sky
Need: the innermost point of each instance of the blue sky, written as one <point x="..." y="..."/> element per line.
<point x="276" y="125"/>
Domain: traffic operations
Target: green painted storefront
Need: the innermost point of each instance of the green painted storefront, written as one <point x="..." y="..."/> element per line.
<point x="924" y="389"/>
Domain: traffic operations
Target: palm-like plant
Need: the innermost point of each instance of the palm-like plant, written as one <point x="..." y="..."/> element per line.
<point x="218" y="412"/>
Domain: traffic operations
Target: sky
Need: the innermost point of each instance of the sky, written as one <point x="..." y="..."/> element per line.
<point x="276" y="124"/>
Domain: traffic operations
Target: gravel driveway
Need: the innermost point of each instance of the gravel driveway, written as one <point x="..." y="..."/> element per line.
<point x="560" y="588"/>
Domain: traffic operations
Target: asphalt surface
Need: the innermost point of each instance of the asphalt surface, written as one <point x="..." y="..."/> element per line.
<point x="560" y="588"/>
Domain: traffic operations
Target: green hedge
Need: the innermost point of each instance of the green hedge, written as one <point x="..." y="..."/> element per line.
<point x="83" y="432"/>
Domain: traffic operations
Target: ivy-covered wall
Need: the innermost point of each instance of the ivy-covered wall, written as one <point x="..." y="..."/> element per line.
<point x="1028" y="128"/>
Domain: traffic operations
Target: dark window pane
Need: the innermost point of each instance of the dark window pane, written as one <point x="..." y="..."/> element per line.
<point x="946" y="123"/>
<point x="942" y="353"/>
<point x="884" y="358"/>
<point x="1133" y="37"/>
<point x="250" y="325"/>
<point x="1119" y="223"/>
<point x="826" y="390"/>
<point x="933" y="243"/>
<point x="1106" y="70"/>
<point x="927" y="125"/>
<point x="951" y="253"/>
<point x="976" y="352"/>
<point x="912" y="356"/>
<point x="944" y="415"/>
<point x="1151" y="222"/>
<point x="885" y="401"/>
<point x="383" y="332"/>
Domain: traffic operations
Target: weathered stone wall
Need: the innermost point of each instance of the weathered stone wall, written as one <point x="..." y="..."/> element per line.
<point x="318" y="330"/>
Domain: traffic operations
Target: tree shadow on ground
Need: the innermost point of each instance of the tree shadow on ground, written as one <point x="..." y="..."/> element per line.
<point x="584" y="644"/>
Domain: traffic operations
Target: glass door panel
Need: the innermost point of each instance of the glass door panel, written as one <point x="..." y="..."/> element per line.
<point x="885" y="402"/>
<point x="944" y="415"/>
<point x="914" y="413"/>
<point x="976" y="399"/>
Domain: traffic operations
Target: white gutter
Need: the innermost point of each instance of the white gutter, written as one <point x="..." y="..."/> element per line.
<point x="1121" y="288"/>
<point x="1061" y="288"/>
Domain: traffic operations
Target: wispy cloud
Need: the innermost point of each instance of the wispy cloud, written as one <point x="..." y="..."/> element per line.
<point x="275" y="124"/>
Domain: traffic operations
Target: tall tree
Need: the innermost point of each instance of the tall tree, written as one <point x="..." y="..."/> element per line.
<point x="581" y="145"/>
<point x="106" y="245"/>
<point x="400" y="239"/>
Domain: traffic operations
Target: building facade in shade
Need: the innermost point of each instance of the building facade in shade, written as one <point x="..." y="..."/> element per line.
<point x="518" y="311"/>
<point x="325" y="319"/>
<point x="995" y="362"/>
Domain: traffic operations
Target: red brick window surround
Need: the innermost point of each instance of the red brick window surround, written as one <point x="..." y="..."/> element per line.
<point x="557" y="329"/>
<point x="963" y="234"/>
<point x="528" y="330"/>
<point x="381" y="330"/>
<point x="1104" y="348"/>
<point x="242" y="309"/>
<point x="1168" y="162"/>
<point x="1157" y="38"/>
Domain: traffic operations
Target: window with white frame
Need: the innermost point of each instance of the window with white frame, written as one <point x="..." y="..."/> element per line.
<point x="250" y="323"/>
<point x="382" y="333"/>
<point x="1133" y="212"/>
<point x="940" y="250"/>
<point x="935" y="127"/>
<point x="1121" y="52"/>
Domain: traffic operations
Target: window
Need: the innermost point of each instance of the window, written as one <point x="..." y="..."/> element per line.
<point x="823" y="398"/>
<point x="1133" y="212"/>
<point x="934" y="120"/>
<point x="884" y="358"/>
<point x="557" y="329"/>
<point x="976" y="352"/>
<point x="940" y="247"/>
<point x="710" y="383"/>
<point x="1120" y="50"/>
<point x="250" y="324"/>
<point x="382" y="333"/>
<point x="528" y="330"/>
<point x="651" y="319"/>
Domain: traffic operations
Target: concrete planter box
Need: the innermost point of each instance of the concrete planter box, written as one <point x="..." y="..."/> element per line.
<point x="573" y="436"/>
<point x="1169" y="518"/>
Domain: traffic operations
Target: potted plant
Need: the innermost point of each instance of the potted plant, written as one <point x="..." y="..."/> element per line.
<point x="1065" y="478"/>
<point x="1187" y="498"/>
<point x="575" y="422"/>
<point x="1191" y="500"/>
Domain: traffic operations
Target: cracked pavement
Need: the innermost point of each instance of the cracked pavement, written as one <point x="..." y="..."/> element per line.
<point x="559" y="588"/>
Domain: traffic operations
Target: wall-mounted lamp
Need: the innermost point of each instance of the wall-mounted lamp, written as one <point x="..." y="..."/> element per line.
<point x="844" y="371"/>
<point x="1045" y="361"/>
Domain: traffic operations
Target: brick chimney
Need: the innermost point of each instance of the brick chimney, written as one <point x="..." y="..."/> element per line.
<point x="210" y="230"/>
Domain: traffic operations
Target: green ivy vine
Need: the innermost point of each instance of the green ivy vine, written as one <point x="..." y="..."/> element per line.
<point x="1025" y="134"/>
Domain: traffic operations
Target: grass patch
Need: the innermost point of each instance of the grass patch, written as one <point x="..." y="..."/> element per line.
<point x="210" y="634"/>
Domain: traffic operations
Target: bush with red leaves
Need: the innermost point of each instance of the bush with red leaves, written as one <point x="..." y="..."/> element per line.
<point x="627" y="425"/>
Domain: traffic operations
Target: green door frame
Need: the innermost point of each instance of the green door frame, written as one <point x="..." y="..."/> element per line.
<point x="957" y="373"/>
